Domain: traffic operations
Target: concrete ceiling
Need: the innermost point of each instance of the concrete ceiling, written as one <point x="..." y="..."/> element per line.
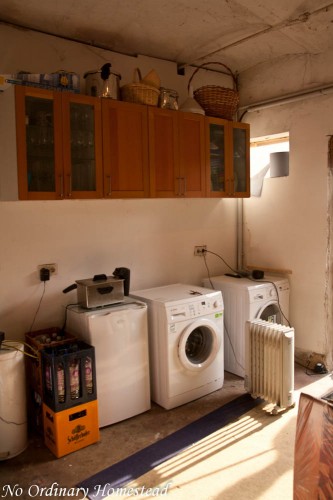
<point x="239" y="33"/>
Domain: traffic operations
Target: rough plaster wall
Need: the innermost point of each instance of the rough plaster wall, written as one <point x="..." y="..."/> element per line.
<point x="291" y="225"/>
<point x="286" y="227"/>
<point x="37" y="53"/>
<point x="288" y="75"/>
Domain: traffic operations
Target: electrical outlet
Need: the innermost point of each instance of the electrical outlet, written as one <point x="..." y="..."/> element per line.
<point x="199" y="251"/>
<point x="53" y="268"/>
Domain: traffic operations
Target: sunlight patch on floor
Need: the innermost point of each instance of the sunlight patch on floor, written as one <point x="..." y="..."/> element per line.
<point x="212" y="468"/>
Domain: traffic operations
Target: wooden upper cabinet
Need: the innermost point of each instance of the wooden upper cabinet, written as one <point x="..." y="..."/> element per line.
<point x="163" y="153"/>
<point x="240" y="161"/>
<point x="58" y="145"/>
<point x="176" y="154"/>
<point x="192" y="154"/>
<point x="76" y="146"/>
<point x="82" y="146"/>
<point x="39" y="143"/>
<point x="125" y="149"/>
<point x="227" y="158"/>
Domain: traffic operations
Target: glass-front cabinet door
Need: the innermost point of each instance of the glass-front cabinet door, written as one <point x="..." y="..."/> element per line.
<point x="58" y="145"/>
<point x="240" y="164"/>
<point x="227" y="158"/>
<point x="39" y="157"/>
<point x="82" y="146"/>
<point x="216" y="135"/>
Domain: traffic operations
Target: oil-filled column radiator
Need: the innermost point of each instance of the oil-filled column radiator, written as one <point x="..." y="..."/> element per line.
<point x="269" y="362"/>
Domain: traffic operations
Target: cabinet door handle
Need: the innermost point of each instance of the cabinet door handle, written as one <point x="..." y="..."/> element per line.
<point x="61" y="178"/>
<point x="109" y="184"/>
<point x="229" y="187"/>
<point x="232" y="186"/>
<point x="179" y="186"/>
<point x="70" y="185"/>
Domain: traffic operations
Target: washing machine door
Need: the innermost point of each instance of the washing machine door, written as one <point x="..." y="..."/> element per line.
<point x="270" y="312"/>
<point x="199" y="344"/>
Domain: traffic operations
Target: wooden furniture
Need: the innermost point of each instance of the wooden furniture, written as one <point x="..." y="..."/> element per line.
<point x="313" y="474"/>
<point x="75" y="146"/>
<point x="59" y="144"/>
<point x="228" y="158"/>
<point x="125" y="149"/>
<point x="176" y="154"/>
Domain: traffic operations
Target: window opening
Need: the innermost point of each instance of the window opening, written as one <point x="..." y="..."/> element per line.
<point x="262" y="164"/>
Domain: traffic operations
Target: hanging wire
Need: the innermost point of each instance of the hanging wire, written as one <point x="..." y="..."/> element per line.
<point x="250" y="278"/>
<point x="37" y="311"/>
<point x="10" y="345"/>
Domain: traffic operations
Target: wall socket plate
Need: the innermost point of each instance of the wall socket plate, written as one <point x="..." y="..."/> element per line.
<point x="53" y="268"/>
<point x="199" y="251"/>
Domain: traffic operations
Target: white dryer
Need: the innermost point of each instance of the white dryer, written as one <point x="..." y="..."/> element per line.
<point x="185" y="328"/>
<point x="247" y="299"/>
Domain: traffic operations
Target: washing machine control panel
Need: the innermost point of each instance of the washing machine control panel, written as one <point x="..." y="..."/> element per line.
<point x="190" y="310"/>
<point x="263" y="293"/>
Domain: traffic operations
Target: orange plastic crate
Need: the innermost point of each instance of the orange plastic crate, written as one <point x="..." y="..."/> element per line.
<point x="70" y="430"/>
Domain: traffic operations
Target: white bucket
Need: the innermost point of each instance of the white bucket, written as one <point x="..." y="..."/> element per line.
<point x="13" y="408"/>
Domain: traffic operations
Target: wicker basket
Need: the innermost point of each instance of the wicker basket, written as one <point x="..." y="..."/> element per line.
<point x="217" y="101"/>
<point x="139" y="92"/>
<point x="152" y="79"/>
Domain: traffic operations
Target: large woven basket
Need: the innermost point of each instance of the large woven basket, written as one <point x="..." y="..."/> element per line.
<point x="220" y="102"/>
<point x="139" y="92"/>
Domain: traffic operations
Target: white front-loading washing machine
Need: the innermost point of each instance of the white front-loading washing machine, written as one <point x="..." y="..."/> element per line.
<point x="185" y="329"/>
<point x="246" y="299"/>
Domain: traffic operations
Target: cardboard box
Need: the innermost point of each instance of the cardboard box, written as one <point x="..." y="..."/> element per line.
<point x="70" y="430"/>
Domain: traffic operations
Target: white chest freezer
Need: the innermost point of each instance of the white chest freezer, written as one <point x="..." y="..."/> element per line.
<point x="119" y="334"/>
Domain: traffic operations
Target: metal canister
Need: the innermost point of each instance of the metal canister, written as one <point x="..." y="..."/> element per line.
<point x="98" y="84"/>
<point x="168" y="99"/>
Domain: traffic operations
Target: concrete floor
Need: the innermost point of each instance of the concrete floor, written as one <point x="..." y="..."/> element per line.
<point x="38" y="466"/>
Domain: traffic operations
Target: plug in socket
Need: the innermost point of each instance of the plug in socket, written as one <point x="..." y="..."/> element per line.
<point x="199" y="251"/>
<point x="44" y="274"/>
<point x="52" y="268"/>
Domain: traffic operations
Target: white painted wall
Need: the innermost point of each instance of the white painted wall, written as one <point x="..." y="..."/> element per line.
<point x="286" y="227"/>
<point x="154" y="238"/>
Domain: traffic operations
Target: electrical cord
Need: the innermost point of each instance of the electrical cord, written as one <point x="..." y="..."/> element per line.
<point x="232" y="347"/>
<point x="246" y="277"/>
<point x="8" y="345"/>
<point x="250" y="279"/>
<point x="65" y="320"/>
<point x="38" y="307"/>
<point x="277" y="295"/>
<point x="219" y="256"/>
<point x="211" y="283"/>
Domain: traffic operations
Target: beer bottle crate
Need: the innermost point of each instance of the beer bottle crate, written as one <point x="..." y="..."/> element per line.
<point x="69" y="375"/>
<point x="39" y="340"/>
<point x="72" y="429"/>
